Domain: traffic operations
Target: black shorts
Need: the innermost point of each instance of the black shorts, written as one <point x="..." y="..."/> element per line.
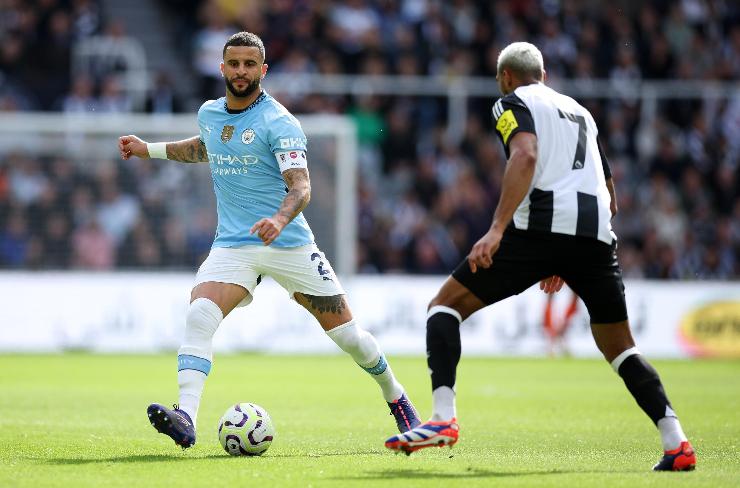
<point x="587" y="265"/>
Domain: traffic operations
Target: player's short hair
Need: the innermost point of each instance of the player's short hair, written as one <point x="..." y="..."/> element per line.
<point x="245" y="39"/>
<point x="523" y="59"/>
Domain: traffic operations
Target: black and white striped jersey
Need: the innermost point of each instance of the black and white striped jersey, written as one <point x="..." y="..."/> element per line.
<point x="568" y="193"/>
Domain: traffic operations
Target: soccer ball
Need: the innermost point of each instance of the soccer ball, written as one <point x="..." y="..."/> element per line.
<point x="245" y="430"/>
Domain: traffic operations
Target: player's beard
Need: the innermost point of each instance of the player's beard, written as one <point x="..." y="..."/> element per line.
<point x="248" y="90"/>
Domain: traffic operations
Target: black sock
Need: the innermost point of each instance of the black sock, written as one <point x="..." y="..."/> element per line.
<point x="443" y="348"/>
<point x="644" y="383"/>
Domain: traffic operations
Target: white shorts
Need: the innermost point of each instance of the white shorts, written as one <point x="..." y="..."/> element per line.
<point x="302" y="269"/>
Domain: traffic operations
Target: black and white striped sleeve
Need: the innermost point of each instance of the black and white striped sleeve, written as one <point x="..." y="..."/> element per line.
<point x="511" y="116"/>
<point x="604" y="161"/>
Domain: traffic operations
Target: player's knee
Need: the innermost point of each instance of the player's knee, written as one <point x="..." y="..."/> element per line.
<point x="459" y="305"/>
<point x="202" y="320"/>
<point x="367" y="345"/>
<point x="364" y="349"/>
<point x="347" y="336"/>
<point x="436" y="301"/>
<point x="612" y="339"/>
<point x="438" y="315"/>
<point x="355" y="341"/>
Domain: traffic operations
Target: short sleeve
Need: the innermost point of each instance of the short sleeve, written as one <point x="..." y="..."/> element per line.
<point x="286" y="134"/>
<point x="203" y="126"/>
<point x="511" y="116"/>
<point x="604" y="161"/>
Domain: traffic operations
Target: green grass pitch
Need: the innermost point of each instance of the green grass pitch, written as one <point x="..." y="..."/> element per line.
<point x="79" y="420"/>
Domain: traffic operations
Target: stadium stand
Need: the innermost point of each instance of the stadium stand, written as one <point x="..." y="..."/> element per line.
<point x="424" y="198"/>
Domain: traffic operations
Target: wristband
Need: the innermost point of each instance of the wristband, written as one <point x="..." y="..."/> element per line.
<point x="157" y="150"/>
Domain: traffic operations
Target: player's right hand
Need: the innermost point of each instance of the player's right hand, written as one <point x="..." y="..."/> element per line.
<point x="481" y="256"/>
<point x="132" y="146"/>
<point x="267" y="229"/>
<point x="553" y="284"/>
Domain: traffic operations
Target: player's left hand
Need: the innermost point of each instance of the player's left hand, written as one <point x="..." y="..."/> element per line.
<point x="482" y="253"/>
<point x="267" y="229"/>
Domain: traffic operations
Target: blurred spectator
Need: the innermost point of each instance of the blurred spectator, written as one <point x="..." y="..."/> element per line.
<point x="112" y="98"/>
<point x="113" y="45"/>
<point x="49" y="75"/>
<point x="557" y="48"/>
<point x="26" y="180"/>
<point x="162" y="98"/>
<point x="370" y="134"/>
<point x="81" y="98"/>
<point x="424" y="197"/>
<point x="353" y="26"/>
<point x="87" y="18"/>
<point x="668" y="162"/>
<point x="82" y="206"/>
<point x="730" y="68"/>
<point x="677" y="30"/>
<point x="92" y="248"/>
<point x="175" y="252"/>
<point x="726" y="187"/>
<point x="208" y="48"/>
<point x="57" y="249"/>
<point x="140" y="249"/>
<point x="117" y="212"/>
<point x="14" y="241"/>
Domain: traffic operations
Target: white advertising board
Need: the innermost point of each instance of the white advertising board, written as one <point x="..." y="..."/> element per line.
<point x="145" y="312"/>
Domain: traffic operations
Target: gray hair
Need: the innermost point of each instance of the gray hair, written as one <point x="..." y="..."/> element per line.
<point x="523" y="58"/>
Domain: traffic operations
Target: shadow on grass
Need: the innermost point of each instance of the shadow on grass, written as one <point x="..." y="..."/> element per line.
<point x="166" y="458"/>
<point x="136" y="458"/>
<point x="329" y="454"/>
<point x="470" y="472"/>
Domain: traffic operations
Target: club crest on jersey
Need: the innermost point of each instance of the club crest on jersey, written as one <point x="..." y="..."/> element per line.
<point x="248" y="136"/>
<point x="227" y="132"/>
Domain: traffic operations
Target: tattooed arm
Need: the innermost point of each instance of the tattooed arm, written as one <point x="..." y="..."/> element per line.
<point x="299" y="194"/>
<point x="186" y="151"/>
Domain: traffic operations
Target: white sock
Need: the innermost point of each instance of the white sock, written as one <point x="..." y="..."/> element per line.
<point x="191" y="384"/>
<point x="196" y="353"/>
<point x="671" y="433"/>
<point x="391" y="388"/>
<point x="443" y="404"/>
<point x="363" y="348"/>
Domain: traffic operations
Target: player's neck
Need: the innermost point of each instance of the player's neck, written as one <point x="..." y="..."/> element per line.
<point x="240" y="103"/>
<point x="530" y="81"/>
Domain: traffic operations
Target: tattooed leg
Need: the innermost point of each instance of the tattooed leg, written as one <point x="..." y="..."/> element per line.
<point x="335" y="317"/>
<point x="330" y="311"/>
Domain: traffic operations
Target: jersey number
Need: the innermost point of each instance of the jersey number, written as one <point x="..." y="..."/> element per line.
<point x="580" y="157"/>
<point x="323" y="272"/>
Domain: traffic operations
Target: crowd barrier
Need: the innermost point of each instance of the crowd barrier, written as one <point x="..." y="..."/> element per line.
<point x="145" y="312"/>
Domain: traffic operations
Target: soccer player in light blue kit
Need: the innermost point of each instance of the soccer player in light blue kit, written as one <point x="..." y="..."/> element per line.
<point x="257" y="154"/>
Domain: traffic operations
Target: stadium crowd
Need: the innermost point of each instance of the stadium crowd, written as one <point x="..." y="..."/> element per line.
<point x="423" y="198"/>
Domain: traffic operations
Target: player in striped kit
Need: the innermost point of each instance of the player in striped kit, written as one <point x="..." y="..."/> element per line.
<point x="552" y="224"/>
<point x="256" y="151"/>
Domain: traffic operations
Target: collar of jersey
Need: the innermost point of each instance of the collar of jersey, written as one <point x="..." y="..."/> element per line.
<point x="261" y="97"/>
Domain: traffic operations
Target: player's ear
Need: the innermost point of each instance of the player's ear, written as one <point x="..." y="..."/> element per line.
<point x="505" y="78"/>
<point x="264" y="70"/>
<point x="221" y="68"/>
<point x="544" y="75"/>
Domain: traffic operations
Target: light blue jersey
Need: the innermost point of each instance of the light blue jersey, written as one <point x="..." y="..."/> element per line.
<point x="242" y="148"/>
